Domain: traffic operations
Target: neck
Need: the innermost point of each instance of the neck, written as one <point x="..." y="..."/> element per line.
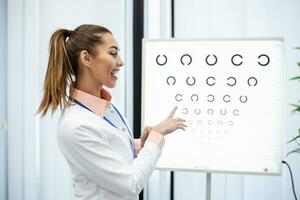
<point x="88" y="85"/>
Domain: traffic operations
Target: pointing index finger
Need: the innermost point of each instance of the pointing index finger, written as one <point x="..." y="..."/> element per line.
<point x="173" y="112"/>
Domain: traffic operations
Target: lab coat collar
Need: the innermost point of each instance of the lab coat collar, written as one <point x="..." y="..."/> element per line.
<point x="96" y="104"/>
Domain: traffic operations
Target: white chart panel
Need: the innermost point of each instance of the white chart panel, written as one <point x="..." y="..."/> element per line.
<point x="231" y="92"/>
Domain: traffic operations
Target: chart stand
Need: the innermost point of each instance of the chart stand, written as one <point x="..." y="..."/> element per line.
<point x="208" y="186"/>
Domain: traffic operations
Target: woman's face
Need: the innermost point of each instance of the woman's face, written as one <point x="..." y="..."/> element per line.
<point x="107" y="62"/>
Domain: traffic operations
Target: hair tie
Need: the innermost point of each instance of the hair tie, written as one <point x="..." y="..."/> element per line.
<point x="68" y="34"/>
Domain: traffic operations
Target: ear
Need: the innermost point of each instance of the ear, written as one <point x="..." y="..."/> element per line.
<point x="85" y="58"/>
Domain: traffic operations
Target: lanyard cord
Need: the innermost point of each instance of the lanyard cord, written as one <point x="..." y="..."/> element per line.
<point x="123" y="120"/>
<point x="84" y="106"/>
<point x="105" y="118"/>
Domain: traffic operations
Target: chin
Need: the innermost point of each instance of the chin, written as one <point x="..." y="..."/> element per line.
<point x="112" y="85"/>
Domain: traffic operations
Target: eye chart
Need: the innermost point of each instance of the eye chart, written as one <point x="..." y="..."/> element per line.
<point x="231" y="92"/>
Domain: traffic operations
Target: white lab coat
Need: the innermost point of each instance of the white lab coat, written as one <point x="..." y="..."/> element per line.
<point x="100" y="156"/>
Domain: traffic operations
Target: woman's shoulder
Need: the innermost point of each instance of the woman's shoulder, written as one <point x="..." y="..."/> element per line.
<point x="76" y="121"/>
<point x="69" y="120"/>
<point x="71" y="113"/>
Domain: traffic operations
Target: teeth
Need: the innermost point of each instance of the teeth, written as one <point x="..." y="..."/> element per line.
<point x="114" y="72"/>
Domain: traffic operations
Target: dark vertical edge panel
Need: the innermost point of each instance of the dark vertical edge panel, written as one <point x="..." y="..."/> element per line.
<point x="172" y="18"/>
<point x="138" y="34"/>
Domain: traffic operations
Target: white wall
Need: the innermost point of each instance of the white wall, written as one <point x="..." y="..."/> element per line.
<point x="36" y="167"/>
<point x="230" y="19"/>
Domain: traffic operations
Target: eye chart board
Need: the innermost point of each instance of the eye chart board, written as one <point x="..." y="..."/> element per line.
<point x="231" y="92"/>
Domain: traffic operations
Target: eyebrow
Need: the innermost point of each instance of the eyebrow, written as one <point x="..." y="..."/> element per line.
<point x="115" y="47"/>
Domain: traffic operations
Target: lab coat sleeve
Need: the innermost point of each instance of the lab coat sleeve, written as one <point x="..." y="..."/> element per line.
<point x="98" y="161"/>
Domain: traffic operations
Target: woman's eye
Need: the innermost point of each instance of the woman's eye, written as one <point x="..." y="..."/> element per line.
<point x="115" y="54"/>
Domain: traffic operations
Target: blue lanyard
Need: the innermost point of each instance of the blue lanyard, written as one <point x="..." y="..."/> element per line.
<point x="106" y="119"/>
<point x="122" y="120"/>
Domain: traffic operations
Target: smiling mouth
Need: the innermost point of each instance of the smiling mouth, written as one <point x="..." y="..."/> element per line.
<point x="115" y="72"/>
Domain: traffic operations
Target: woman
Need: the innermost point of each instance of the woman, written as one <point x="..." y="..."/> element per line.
<point x="105" y="161"/>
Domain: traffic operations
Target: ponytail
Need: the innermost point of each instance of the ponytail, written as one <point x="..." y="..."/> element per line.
<point x="59" y="74"/>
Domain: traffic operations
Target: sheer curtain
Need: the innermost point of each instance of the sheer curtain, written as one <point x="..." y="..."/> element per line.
<point x="36" y="167"/>
<point x="3" y="116"/>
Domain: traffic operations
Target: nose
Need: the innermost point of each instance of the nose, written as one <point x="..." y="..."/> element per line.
<point x="120" y="61"/>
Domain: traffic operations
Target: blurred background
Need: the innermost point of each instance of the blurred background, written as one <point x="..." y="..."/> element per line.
<point x="31" y="165"/>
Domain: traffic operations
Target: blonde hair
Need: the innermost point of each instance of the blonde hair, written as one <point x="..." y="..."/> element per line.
<point x="63" y="64"/>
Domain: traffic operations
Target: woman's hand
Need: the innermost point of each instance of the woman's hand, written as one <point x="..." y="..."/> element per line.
<point x="145" y="134"/>
<point x="170" y="124"/>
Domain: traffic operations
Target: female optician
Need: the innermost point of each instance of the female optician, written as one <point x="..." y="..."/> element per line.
<point x="106" y="162"/>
